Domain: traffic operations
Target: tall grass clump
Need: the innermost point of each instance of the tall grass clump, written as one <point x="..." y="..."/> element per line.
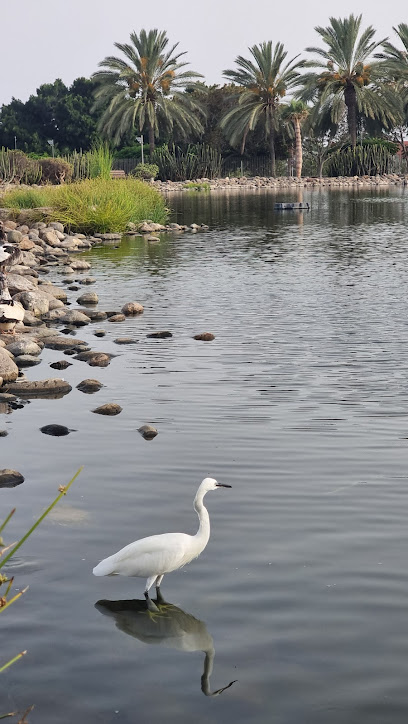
<point x="94" y="205"/>
<point x="28" y="198"/>
<point x="100" y="159"/>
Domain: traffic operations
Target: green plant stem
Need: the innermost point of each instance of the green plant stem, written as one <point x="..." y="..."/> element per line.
<point x="12" y="661"/>
<point x="10" y="515"/>
<point x="41" y="518"/>
<point x="12" y="600"/>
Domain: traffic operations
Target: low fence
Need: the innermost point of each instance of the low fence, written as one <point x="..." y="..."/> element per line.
<point x="251" y="166"/>
<point x="254" y="166"/>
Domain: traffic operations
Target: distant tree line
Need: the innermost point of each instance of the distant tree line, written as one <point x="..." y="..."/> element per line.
<point x="346" y="91"/>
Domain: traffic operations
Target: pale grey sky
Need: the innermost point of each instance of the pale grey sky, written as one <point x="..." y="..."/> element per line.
<point x="42" y="40"/>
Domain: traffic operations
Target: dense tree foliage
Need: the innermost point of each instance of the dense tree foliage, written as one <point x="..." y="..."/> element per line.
<point x="269" y="107"/>
<point x="56" y="113"/>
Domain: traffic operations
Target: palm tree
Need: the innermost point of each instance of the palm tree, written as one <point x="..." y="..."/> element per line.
<point x="348" y="79"/>
<point x="143" y="89"/>
<point x="295" y="113"/>
<point x="262" y="83"/>
<point x="395" y="61"/>
<point x="395" y="64"/>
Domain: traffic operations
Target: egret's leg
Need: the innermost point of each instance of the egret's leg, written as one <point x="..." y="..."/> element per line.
<point x="159" y="597"/>
<point x="150" y="605"/>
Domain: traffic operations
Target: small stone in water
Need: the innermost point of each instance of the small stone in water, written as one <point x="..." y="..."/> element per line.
<point x="56" y="430"/>
<point x="3" y="433"/>
<point x="10" y="478"/>
<point x="125" y="340"/>
<point x="61" y="364"/>
<point x="89" y="386"/>
<point x="99" y="333"/>
<point x="205" y="336"/>
<point x="111" y="408"/>
<point x="131" y="308"/>
<point x="117" y="318"/>
<point x="148" y="432"/>
<point x="159" y="335"/>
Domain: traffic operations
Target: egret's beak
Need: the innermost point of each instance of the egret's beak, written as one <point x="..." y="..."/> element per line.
<point x="221" y="485"/>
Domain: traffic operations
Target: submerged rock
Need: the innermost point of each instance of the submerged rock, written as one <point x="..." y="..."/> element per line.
<point x="131" y="308"/>
<point x="205" y="336"/>
<point x="53" y="388"/>
<point x="10" y="478"/>
<point x="125" y="340"/>
<point x="61" y="364"/>
<point x="117" y="318"/>
<point x="110" y="408"/>
<point x="148" y="432"/>
<point x="89" y="386"/>
<point x="61" y="343"/>
<point x="159" y="335"/>
<point x="56" y="430"/>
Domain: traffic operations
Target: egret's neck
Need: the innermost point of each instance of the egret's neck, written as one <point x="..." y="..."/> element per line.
<point x="203" y="533"/>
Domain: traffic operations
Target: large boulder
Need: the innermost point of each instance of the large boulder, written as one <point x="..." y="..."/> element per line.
<point x="56" y="292"/>
<point x="18" y="283"/>
<point x="14" y="236"/>
<point x="36" y="302"/>
<point x="24" y="346"/>
<point x="8" y="368"/>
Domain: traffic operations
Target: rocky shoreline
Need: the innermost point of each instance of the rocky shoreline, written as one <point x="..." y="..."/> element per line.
<point x="51" y="321"/>
<point x="284" y="182"/>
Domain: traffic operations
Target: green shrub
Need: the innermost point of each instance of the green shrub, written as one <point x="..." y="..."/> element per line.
<point x="55" y="170"/>
<point x="197" y="186"/>
<point x="145" y="171"/>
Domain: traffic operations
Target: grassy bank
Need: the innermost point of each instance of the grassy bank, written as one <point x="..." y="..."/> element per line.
<point x="94" y="205"/>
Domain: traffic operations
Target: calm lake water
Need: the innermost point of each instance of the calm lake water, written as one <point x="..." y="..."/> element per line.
<point x="301" y="404"/>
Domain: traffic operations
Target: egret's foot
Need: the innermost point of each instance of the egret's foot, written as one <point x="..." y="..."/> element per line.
<point x="159" y="598"/>
<point x="151" y="606"/>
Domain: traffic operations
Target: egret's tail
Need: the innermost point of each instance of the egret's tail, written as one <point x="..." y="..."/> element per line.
<point x="104" y="568"/>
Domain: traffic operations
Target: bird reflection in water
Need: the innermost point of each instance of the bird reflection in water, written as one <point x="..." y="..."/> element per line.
<point x="171" y="627"/>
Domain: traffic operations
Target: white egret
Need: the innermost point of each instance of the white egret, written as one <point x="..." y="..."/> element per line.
<point x="11" y="312"/>
<point x="157" y="555"/>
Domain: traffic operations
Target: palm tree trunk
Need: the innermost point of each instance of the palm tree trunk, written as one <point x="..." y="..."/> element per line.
<point x="298" y="148"/>
<point x="151" y="141"/>
<point x="272" y="144"/>
<point x="351" y="103"/>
